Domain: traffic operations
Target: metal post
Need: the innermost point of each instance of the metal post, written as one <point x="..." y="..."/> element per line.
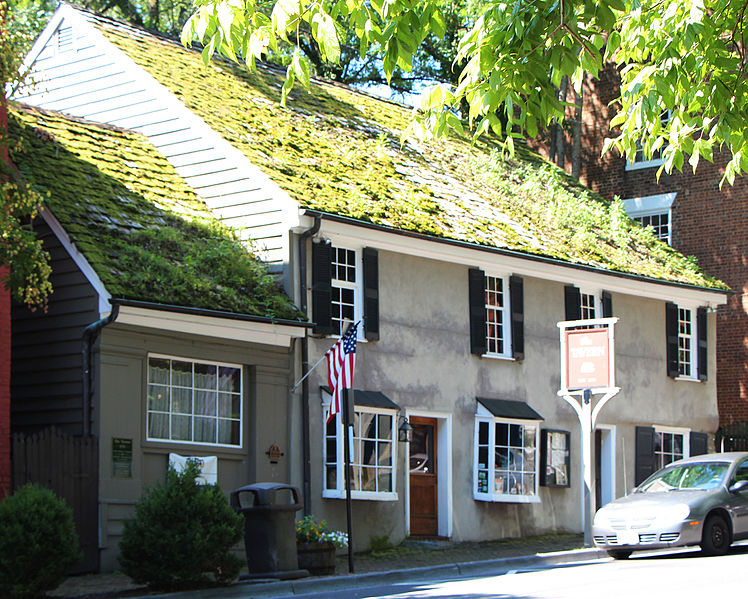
<point x="347" y="402"/>
<point x="587" y="432"/>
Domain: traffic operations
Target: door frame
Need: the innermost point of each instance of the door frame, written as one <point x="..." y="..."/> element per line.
<point x="607" y="462"/>
<point x="443" y="471"/>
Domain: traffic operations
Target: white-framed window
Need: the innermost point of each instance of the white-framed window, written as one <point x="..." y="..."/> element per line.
<point x="347" y="289"/>
<point x="640" y="161"/>
<point x="498" y="321"/>
<point x="670" y="444"/>
<point x="687" y="348"/>
<point x="588" y="305"/>
<point x="653" y="211"/>
<point x="194" y="401"/>
<point x="506" y="460"/>
<point x="374" y="456"/>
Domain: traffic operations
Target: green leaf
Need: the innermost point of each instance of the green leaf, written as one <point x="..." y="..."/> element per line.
<point x="300" y="68"/>
<point x="287" y="84"/>
<point x="326" y="34"/>
<point x="437" y="25"/>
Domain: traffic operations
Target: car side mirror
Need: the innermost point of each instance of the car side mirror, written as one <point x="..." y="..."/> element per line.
<point x="739" y="486"/>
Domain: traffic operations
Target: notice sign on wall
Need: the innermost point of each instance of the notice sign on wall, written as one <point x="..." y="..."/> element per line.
<point x="588" y="359"/>
<point x="121" y="458"/>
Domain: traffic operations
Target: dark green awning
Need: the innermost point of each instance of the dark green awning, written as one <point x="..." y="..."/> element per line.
<point x="370" y="399"/>
<point x="505" y="408"/>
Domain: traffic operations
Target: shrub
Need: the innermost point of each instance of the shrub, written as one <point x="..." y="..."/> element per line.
<point x="180" y="532"/>
<point x="38" y="542"/>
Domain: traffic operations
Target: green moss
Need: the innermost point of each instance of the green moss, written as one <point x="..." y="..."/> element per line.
<point x="138" y="224"/>
<point x="339" y="151"/>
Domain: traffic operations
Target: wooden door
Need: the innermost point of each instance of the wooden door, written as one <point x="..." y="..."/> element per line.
<point x="424" y="521"/>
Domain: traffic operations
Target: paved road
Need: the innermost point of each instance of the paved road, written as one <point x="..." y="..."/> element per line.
<point x="679" y="574"/>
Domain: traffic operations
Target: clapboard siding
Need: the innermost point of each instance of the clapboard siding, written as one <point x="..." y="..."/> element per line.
<point x="82" y="74"/>
<point x="46" y="370"/>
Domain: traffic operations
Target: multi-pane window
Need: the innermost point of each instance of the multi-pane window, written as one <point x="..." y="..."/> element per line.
<point x="497" y="316"/>
<point x="587" y="306"/>
<point x="660" y="224"/>
<point x="344" y="284"/>
<point x="656" y="158"/>
<point x="685" y="343"/>
<point x="668" y="447"/>
<point x="506" y="460"/>
<point x="373" y="459"/>
<point x="653" y="211"/>
<point x="194" y="402"/>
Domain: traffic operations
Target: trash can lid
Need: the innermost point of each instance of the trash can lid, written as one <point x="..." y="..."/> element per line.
<point x="264" y="494"/>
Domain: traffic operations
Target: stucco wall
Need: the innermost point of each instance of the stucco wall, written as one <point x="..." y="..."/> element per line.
<point x="423" y="363"/>
<point x="122" y="415"/>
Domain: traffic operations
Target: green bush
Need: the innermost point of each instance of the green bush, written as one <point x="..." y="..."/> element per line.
<point x="38" y="542"/>
<point x="181" y="531"/>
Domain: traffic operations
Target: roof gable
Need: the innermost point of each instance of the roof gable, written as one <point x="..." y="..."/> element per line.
<point x="136" y="222"/>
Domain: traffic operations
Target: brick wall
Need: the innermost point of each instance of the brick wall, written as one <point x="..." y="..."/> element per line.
<point x="4" y="388"/>
<point x="708" y="222"/>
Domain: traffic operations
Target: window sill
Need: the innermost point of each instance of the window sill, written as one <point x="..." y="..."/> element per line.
<point x="635" y="166"/>
<point x="499" y="357"/>
<point x="359" y="495"/>
<point x="687" y="379"/>
<point x="506" y="498"/>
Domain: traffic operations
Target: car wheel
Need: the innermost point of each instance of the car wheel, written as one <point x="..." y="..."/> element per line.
<point x="715" y="540"/>
<point x="619" y="553"/>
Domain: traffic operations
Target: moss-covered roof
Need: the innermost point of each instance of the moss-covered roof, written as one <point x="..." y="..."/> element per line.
<point x="338" y="151"/>
<point x="139" y="225"/>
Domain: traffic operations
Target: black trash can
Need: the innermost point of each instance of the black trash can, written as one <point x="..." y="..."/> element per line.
<point x="269" y="529"/>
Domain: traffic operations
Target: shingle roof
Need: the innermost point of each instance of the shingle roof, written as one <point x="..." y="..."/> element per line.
<point x="338" y="151"/>
<point x="138" y="224"/>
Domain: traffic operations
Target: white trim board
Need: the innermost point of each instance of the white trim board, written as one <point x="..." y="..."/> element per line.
<point x="80" y="260"/>
<point x="343" y="233"/>
<point x="211" y="326"/>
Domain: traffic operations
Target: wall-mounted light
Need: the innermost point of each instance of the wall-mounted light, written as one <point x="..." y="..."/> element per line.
<point x="405" y="432"/>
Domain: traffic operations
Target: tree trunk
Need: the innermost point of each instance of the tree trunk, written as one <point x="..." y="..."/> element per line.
<point x="560" y="153"/>
<point x="576" y="147"/>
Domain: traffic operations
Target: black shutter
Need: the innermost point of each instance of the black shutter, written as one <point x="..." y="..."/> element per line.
<point x="322" y="288"/>
<point x="607" y="301"/>
<point x="698" y="442"/>
<point x="517" y="308"/>
<point x="671" y="338"/>
<point x="702" y="347"/>
<point x="645" y="455"/>
<point x="572" y="302"/>
<point x="371" y="294"/>
<point x="477" y="290"/>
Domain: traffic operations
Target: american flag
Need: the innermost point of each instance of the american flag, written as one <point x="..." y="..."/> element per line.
<point x="341" y="360"/>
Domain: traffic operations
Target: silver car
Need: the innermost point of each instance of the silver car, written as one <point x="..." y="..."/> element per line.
<point x="701" y="500"/>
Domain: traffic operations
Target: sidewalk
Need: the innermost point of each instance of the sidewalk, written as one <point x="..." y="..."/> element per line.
<point x="410" y="561"/>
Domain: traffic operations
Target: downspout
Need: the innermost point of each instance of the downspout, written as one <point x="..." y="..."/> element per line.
<point x="306" y="425"/>
<point x="89" y="338"/>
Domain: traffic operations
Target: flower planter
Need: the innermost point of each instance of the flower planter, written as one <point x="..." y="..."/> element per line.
<point x="317" y="558"/>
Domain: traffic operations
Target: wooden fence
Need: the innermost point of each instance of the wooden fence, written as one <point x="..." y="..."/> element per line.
<point x="69" y="466"/>
<point x="732" y="437"/>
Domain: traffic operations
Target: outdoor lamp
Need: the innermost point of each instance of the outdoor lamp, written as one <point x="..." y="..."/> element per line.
<point x="405" y="432"/>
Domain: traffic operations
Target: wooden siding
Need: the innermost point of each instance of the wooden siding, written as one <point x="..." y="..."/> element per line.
<point x="84" y="75"/>
<point x="46" y="371"/>
<point x="68" y="466"/>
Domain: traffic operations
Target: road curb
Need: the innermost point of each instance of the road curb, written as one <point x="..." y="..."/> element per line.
<point x="259" y="590"/>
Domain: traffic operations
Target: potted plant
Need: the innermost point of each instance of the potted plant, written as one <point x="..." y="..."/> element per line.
<point x="316" y="544"/>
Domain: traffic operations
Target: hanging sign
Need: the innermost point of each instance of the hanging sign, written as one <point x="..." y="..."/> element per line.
<point x="587" y="358"/>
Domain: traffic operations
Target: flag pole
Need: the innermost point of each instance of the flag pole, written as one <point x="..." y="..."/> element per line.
<point x="301" y="380"/>
<point x="347" y="403"/>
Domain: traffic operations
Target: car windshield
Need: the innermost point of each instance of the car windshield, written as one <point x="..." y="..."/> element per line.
<point x="707" y="475"/>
